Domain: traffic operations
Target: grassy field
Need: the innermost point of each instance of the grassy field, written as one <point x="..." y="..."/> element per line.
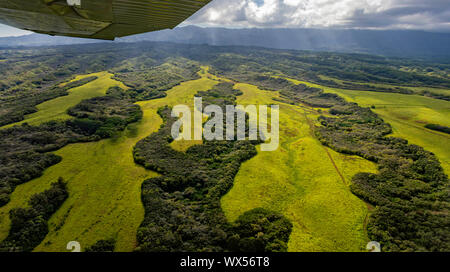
<point x="104" y="182"/>
<point x="417" y="90"/>
<point x="408" y="115"/>
<point x="305" y="181"/>
<point x="56" y="109"/>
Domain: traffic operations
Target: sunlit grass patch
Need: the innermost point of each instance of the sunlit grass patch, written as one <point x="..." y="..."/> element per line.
<point x="104" y="183"/>
<point x="56" y="109"/>
<point x="408" y="115"/>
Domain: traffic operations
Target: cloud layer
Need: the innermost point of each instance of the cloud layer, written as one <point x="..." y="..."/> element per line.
<point x="368" y="14"/>
<point x="372" y="14"/>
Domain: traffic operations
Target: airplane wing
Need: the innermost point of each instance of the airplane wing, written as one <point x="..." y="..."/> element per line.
<point x="97" y="19"/>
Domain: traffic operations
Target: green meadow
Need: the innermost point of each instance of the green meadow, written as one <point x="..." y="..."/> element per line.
<point x="408" y="115"/>
<point x="56" y="109"/>
<point x="303" y="180"/>
<point x="104" y="183"/>
<point x="417" y="90"/>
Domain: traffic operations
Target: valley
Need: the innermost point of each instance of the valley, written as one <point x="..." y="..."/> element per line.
<point x="103" y="180"/>
<point x="103" y="200"/>
<point x="408" y="115"/>
<point x="303" y="180"/>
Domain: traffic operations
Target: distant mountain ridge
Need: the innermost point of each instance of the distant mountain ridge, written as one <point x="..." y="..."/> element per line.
<point x="396" y="43"/>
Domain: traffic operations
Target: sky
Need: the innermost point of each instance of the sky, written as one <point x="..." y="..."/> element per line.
<point x="373" y="14"/>
<point x="430" y="15"/>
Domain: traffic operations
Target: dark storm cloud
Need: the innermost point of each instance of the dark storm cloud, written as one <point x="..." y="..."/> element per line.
<point x="374" y="14"/>
<point x="429" y="15"/>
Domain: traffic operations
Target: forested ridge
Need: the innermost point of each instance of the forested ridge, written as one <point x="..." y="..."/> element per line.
<point x="36" y="70"/>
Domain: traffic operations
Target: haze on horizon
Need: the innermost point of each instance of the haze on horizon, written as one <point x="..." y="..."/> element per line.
<point x="428" y="15"/>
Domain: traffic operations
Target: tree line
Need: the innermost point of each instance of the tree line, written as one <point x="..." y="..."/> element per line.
<point x="182" y="206"/>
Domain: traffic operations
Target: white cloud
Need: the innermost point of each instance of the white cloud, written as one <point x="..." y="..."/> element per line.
<point x="370" y="14"/>
<point x="382" y="14"/>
